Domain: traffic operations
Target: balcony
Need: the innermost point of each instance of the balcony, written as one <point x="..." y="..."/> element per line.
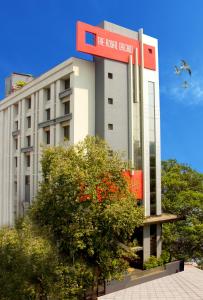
<point x="63" y="118"/>
<point x="65" y="93"/>
<point x="16" y="132"/>
<point x="27" y="149"/>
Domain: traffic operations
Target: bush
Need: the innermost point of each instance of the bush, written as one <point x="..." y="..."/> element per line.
<point x="153" y="262"/>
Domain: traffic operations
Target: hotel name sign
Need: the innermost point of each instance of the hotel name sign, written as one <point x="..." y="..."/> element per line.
<point x="113" y="46"/>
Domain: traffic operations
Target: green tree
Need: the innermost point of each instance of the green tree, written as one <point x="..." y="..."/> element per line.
<point x="28" y="263"/>
<point x="85" y="203"/>
<point x="182" y="189"/>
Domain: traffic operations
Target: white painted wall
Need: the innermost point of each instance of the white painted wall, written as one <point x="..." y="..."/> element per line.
<point x="82" y="123"/>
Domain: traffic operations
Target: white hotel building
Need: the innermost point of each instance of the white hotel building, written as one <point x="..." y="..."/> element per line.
<point x="115" y="100"/>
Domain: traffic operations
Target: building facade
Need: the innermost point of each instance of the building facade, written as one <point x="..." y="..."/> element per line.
<point x="114" y="99"/>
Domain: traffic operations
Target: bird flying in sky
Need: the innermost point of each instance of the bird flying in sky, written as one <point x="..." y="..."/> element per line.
<point x="177" y="70"/>
<point x="185" y="67"/>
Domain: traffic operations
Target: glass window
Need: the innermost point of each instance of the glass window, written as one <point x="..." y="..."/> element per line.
<point x="28" y="160"/>
<point x="29" y="103"/>
<point x="28" y="141"/>
<point x="16" y="143"/>
<point x="66" y="131"/>
<point x="27" y="180"/>
<point x="152" y="147"/>
<point x="67" y="107"/>
<point x="27" y="188"/>
<point x="48" y="93"/>
<point x="16" y="125"/>
<point x="16" y="109"/>
<point x="110" y="75"/>
<point x="48" y="114"/>
<point x="67" y="83"/>
<point x="28" y="122"/>
<point x="110" y="100"/>
<point x="110" y="126"/>
<point x="16" y="162"/>
<point x="48" y="137"/>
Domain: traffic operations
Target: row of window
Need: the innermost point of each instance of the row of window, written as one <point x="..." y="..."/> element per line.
<point x="47" y="92"/>
<point x="27" y="158"/>
<point x="66" y="136"/>
<point x="48" y="115"/>
<point x="66" y="110"/>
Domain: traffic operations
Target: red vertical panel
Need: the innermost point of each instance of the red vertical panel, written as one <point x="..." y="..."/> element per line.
<point x="149" y="57"/>
<point x="135" y="182"/>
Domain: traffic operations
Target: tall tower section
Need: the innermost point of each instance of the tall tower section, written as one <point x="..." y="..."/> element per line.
<point x="127" y="110"/>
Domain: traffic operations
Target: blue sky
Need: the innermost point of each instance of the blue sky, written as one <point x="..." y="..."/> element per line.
<point x="36" y="35"/>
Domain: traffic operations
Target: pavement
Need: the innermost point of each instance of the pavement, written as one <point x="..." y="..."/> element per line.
<point x="186" y="285"/>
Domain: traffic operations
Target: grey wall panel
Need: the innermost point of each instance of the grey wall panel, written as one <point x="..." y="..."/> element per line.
<point x="117" y="89"/>
<point x="117" y="113"/>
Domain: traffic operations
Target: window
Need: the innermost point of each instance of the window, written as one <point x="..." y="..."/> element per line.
<point x="28" y="140"/>
<point x="16" y="162"/>
<point x="67" y="107"/>
<point x="110" y="100"/>
<point x="27" y="188"/>
<point x="48" y="94"/>
<point x="16" y="143"/>
<point x="110" y="126"/>
<point x="66" y="130"/>
<point x="48" y="137"/>
<point x="28" y="122"/>
<point x="67" y="83"/>
<point x="110" y="75"/>
<point x="29" y="103"/>
<point x="28" y="160"/>
<point x="16" y="109"/>
<point x="48" y="113"/>
<point x="16" y="125"/>
<point x="15" y="187"/>
<point x="27" y="180"/>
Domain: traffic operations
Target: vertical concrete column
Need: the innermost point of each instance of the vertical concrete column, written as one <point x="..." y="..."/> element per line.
<point x="36" y="145"/>
<point x="2" y="200"/>
<point x="18" y="153"/>
<point x="11" y="168"/>
<point x="41" y="114"/>
<point x="22" y="155"/>
<point x="158" y="145"/>
<point x="6" y="192"/>
<point x="159" y="239"/>
<point x="58" y="113"/>
<point x="146" y="242"/>
<point x="32" y="154"/>
<point x="145" y="131"/>
<point x="130" y="113"/>
<point x="52" y="108"/>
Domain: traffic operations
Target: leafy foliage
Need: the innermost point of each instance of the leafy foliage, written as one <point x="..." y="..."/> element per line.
<point x="183" y="195"/>
<point x="153" y="262"/>
<point x="27" y="263"/>
<point x="84" y="201"/>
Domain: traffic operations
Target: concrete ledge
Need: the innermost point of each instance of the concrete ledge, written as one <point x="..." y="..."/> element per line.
<point x="140" y="276"/>
<point x="163" y="218"/>
<point x="65" y="93"/>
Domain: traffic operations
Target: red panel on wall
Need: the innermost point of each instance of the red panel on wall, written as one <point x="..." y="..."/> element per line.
<point x="111" y="45"/>
<point x="135" y="181"/>
<point x="149" y="57"/>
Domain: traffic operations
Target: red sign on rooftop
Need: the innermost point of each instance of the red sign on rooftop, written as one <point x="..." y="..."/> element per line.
<point x="112" y="45"/>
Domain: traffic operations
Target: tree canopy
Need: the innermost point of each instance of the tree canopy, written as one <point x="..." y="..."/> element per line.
<point x="85" y="203"/>
<point x="182" y="189"/>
